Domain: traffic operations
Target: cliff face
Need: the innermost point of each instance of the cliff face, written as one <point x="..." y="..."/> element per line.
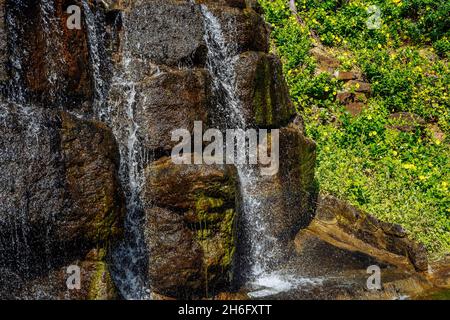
<point x="86" y="118"/>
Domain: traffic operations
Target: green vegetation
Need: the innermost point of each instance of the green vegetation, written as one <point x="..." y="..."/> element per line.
<point x="401" y="176"/>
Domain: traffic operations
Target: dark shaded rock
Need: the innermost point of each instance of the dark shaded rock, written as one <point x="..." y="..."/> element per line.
<point x="96" y="282"/>
<point x="176" y="266"/>
<point x="262" y="90"/>
<point x="190" y="212"/>
<point x="3" y="44"/>
<point x="59" y="192"/>
<point x="297" y="171"/>
<point x="91" y="161"/>
<point x="345" y="227"/>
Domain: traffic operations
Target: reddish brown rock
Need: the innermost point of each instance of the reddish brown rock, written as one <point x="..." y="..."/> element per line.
<point x="355" y="108"/>
<point x="55" y="65"/>
<point x="358" y="86"/>
<point x="345" y="76"/>
<point x="406" y="121"/>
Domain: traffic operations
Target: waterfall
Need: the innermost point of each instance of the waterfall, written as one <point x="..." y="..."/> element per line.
<point x="95" y="58"/>
<point x="221" y="60"/>
<point x="16" y="88"/>
<point x="129" y="257"/>
<point x="265" y="271"/>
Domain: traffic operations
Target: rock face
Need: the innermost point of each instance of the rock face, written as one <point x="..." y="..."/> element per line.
<point x="144" y="69"/>
<point x="190" y="238"/>
<point x="340" y="238"/>
<point x="60" y="193"/>
<point x="166" y="32"/>
<point x="190" y="227"/>
<point x="262" y="90"/>
<point x="51" y="61"/>
<point x="172" y="100"/>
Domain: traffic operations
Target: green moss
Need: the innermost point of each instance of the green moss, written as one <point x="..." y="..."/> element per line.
<point x="262" y="98"/>
<point x="101" y="285"/>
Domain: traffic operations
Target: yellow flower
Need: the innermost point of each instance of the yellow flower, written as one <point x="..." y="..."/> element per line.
<point x="395" y="153"/>
<point x="409" y="166"/>
<point x="421" y="178"/>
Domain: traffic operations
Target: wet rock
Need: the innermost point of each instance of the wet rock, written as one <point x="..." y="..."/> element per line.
<point x="54" y="61"/>
<point x="176" y="258"/>
<point x="262" y="90"/>
<point x="160" y="101"/>
<point x="171" y="100"/>
<point x="3" y="44"/>
<point x="343" y="228"/>
<point x="96" y="282"/>
<point x="244" y="28"/>
<point x="190" y="212"/>
<point x="59" y="190"/>
<point x="168" y="32"/>
<point x="91" y="162"/>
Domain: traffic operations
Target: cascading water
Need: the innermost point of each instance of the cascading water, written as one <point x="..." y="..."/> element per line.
<point x="52" y="32"/>
<point x="221" y="60"/>
<point x="95" y="58"/>
<point x="264" y="255"/>
<point x="130" y="256"/>
<point x="16" y="89"/>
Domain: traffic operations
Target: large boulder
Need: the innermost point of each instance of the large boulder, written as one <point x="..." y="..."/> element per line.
<point x="171" y="100"/>
<point x="342" y="238"/>
<point x="190" y="212"/>
<point x="59" y="189"/>
<point x="167" y="32"/>
<point x="243" y="28"/>
<point x="158" y="103"/>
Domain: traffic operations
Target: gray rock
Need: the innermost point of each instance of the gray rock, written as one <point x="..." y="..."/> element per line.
<point x="168" y="32"/>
